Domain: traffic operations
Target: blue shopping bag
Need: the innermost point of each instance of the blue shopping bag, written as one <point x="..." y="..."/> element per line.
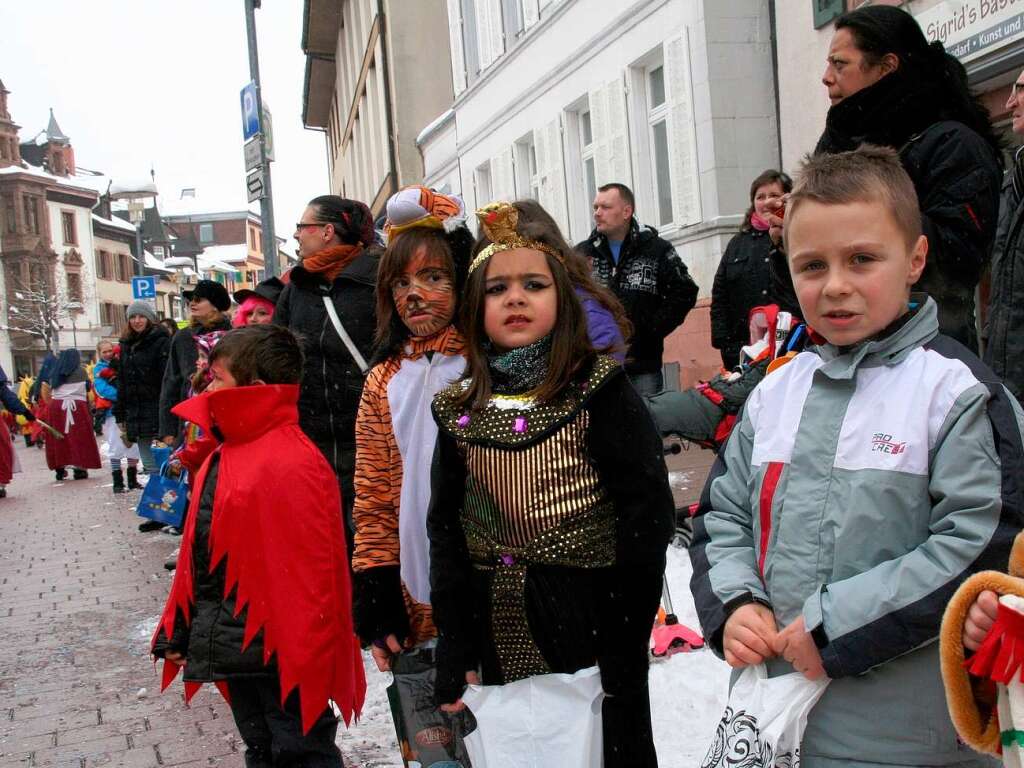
<point x="161" y="455"/>
<point x="165" y="498"/>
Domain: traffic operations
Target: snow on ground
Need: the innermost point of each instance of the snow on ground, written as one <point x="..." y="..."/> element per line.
<point x="688" y="694"/>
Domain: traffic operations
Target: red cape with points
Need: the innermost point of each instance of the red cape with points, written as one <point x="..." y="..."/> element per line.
<point x="277" y="523"/>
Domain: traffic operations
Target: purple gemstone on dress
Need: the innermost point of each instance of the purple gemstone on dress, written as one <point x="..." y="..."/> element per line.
<point x="507" y="560"/>
<point x="520" y="424"/>
<point x="463" y="421"/>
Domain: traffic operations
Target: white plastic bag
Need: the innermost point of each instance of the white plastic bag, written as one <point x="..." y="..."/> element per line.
<point x="537" y="722"/>
<point x="764" y="720"/>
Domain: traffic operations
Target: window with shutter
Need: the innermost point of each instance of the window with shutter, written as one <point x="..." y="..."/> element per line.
<point x="527" y="178"/>
<point x="681" y="141"/>
<point x="610" y="146"/>
<point x="482" y="185"/>
<point x="503" y="186"/>
<point x="531" y="12"/>
<point x="489" y="32"/>
<point x="548" y="141"/>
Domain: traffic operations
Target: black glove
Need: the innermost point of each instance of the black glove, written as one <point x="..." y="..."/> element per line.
<point x="378" y="607"/>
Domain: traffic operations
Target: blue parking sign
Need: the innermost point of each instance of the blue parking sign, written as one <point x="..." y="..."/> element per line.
<point x="250" y="115"/>
<point x="144" y="287"/>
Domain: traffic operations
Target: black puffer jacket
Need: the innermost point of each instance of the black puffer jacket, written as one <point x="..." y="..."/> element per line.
<point x="181" y="365"/>
<point x="743" y="281"/>
<point x="1004" y="344"/>
<point x="331" y="382"/>
<point x="212" y="643"/>
<point x="653" y="285"/>
<point x="139" y="380"/>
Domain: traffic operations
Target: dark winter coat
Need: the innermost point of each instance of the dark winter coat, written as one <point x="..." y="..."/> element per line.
<point x="139" y="380"/>
<point x="743" y="281"/>
<point x="1004" y="344"/>
<point x="957" y="174"/>
<point x="181" y="365"/>
<point x="213" y="640"/>
<point x="653" y="285"/>
<point x="331" y="382"/>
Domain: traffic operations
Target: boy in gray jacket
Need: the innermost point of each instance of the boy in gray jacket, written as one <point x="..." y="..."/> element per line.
<point x="865" y="481"/>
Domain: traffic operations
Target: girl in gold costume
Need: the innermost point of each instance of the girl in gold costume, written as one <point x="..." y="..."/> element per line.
<point x="552" y="509"/>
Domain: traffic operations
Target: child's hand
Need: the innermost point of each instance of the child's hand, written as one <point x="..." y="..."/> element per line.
<point x="796" y="646"/>
<point x="174" y="657"/>
<point x="382" y="655"/>
<point x="472" y="678"/>
<point x="980" y="618"/>
<point x="748" y="636"/>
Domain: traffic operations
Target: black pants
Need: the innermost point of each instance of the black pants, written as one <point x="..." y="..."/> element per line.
<point x="272" y="735"/>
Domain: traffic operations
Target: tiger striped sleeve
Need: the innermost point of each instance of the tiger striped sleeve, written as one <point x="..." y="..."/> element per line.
<point x="378" y="476"/>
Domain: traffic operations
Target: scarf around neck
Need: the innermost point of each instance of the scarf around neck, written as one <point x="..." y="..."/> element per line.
<point x="329" y="262"/>
<point x="888" y="113"/>
<point x="521" y="369"/>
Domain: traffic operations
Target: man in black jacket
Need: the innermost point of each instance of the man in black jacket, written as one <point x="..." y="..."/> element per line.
<point x="646" y="274"/>
<point x="1004" y="344"/>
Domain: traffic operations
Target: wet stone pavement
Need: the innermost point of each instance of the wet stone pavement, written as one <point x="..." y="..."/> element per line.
<point x="80" y="592"/>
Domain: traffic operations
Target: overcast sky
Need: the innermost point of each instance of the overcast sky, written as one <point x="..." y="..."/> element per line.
<point x="141" y="83"/>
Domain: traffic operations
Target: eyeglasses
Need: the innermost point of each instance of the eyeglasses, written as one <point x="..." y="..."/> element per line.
<point x="304" y="224"/>
<point x="1016" y="90"/>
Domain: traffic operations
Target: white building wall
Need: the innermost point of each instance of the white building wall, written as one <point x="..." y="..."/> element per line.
<point x="588" y="54"/>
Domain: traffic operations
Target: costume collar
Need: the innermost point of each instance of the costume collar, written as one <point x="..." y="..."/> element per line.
<point x="447" y="341"/>
<point x="240" y="414"/>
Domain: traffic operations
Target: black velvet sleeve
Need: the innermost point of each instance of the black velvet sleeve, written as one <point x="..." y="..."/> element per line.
<point x="628" y="455"/>
<point x="378" y="607"/>
<point x="456" y="614"/>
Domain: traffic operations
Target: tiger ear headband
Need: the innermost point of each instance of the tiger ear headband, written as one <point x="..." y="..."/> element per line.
<point x="499" y="221"/>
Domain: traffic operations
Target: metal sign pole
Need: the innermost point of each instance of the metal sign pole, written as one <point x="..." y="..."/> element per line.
<point x="266" y="200"/>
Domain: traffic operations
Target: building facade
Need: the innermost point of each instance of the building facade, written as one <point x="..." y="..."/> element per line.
<point x="674" y="98"/>
<point x="375" y="76"/>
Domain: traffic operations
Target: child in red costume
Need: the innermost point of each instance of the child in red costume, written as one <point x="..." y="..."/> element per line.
<point x="261" y="600"/>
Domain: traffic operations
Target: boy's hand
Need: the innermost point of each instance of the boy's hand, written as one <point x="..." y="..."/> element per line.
<point x="749" y="635"/>
<point x="980" y="618"/>
<point x="382" y="656"/>
<point x="472" y="678"/>
<point x="174" y="656"/>
<point x="796" y="646"/>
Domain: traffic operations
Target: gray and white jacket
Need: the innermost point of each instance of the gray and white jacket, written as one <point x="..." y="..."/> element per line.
<point x="859" y="489"/>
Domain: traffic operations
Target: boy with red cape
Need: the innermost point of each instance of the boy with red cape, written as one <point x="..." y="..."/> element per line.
<point x="261" y="599"/>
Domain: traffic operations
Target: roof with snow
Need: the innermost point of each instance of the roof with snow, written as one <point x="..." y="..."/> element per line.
<point x="236" y="253"/>
<point x="115" y="223"/>
<point x="31" y="170"/>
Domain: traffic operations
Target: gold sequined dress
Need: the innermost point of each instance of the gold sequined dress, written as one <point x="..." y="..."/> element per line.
<point x="548" y="534"/>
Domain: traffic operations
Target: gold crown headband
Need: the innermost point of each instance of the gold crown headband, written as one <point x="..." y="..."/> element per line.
<point x="499" y="222"/>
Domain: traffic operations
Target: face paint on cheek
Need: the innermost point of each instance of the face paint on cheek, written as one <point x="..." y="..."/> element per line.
<point x="425" y="311"/>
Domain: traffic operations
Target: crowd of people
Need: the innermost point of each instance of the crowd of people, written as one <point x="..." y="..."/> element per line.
<point x="447" y="448"/>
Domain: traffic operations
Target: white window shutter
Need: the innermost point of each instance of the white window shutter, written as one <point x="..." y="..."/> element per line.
<point x="611" y="135"/>
<point x="457" y="50"/>
<point x="490" y="31"/>
<point x="686" y="207"/>
<point x="503" y="177"/>
<point x="497" y="29"/>
<point x="531" y="13"/>
<point x="548" y="141"/>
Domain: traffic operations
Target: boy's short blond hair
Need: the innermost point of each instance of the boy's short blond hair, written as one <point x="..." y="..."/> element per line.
<point x="864" y="175"/>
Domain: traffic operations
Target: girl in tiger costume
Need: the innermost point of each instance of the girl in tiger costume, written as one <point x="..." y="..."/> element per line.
<point x="420" y="352"/>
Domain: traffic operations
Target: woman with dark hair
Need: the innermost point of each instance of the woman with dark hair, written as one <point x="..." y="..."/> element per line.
<point x="329" y="304"/>
<point x="889" y="86"/>
<point x="68" y="411"/>
<point x="144" y="351"/>
<point x="743" y="280"/>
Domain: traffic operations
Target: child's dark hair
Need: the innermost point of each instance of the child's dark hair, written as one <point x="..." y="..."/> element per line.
<point x="452" y="249"/>
<point x="268" y="353"/>
<point x="571" y="351"/>
<point x="576" y="264"/>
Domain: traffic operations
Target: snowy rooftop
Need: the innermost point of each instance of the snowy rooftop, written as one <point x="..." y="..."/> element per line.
<point x="114" y="222"/>
<point x="236" y="253"/>
<point x="72" y="182"/>
<point x="173" y="205"/>
<point x="210" y="264"/>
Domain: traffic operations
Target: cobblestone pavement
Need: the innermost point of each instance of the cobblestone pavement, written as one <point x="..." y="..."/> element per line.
<point x="80" y="592"/>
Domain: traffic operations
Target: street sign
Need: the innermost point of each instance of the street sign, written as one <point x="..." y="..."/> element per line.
<point x="254" y="183"/>
<point x="144" y="287"/>
<point x="268" y="132"/>
<point x="250" y="115"/>
<point x="252" y="154"/>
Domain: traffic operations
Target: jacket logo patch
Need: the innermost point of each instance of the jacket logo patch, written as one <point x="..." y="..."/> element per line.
<point x="883" y="443"/>
<point x="641" y="276"/>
